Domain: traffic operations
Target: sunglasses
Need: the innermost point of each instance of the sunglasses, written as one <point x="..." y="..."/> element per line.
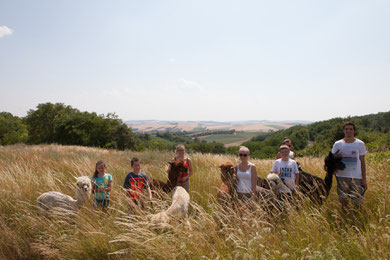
<point x="179" y="150"/>
<point x="243" y="154"/>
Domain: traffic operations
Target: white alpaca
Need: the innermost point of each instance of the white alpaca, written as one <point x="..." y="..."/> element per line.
<point x="277" y="185"/>
<point x="56" y="200"/>
<point x="177" y="210"/>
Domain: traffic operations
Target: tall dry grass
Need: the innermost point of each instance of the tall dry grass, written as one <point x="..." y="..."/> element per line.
<point x="309" y="232"/>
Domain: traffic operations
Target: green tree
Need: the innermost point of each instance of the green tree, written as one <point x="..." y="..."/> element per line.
<point x="12" y="130"/>
<point x="41" y="123"/>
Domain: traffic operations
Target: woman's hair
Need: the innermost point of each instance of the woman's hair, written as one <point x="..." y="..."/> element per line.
<point x="180" y="146"/>
<point x="244" y="149"/>
<point x="135" y="159"/>
<point x="95" y="174"/>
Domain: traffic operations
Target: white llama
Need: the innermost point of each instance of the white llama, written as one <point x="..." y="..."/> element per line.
<point x="58" y="201"/>
<point x="177" y="210"/>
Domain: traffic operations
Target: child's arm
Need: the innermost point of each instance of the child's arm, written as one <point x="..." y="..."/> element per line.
<point x="297" y="179"/>
<point x="149" y="193"/>
<point x="109" y="187"/>
<point x="297" y="175"/>
<point x="93" y="186"/>
<point x="189" y="168"/>
<point x="127" y="187"/>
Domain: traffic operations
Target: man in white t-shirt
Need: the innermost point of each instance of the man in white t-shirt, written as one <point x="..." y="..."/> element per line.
<point x="287" y="169"/>
<point x="351" y="182"/>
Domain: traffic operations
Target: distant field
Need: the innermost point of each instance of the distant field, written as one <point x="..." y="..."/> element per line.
<point x="161" y="140"/>
<point x="227" y="139"/>
<point x="248" y="126"/>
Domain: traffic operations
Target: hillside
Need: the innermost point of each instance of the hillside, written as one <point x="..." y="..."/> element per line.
<point x="152" y="126"/>
<point x="308" y="233"/>
<point x="317" y="138"/>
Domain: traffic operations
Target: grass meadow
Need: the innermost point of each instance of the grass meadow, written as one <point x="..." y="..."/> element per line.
<point x="309" y="232"/>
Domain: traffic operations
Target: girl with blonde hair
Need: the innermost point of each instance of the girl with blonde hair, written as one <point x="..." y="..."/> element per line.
<point x="184" y="178"/>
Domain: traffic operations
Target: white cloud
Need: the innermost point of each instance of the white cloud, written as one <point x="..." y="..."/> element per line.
<point x="172" y="60"/>
<point x="188" y="85"/>
<point x="4" y="30"/>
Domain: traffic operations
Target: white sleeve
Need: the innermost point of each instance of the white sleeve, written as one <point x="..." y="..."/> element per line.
<point x="362" y="149"/>
<point x="296" y="168"/>
<point x="335" y="148"/>
<point x="274" y="167"/>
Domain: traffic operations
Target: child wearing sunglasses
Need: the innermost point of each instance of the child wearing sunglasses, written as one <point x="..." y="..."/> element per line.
<point x="246" y="175"/>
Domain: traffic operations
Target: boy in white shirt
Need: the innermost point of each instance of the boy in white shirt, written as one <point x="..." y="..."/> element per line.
<point x="287" y="169"/>
<point x="351" y="182"/>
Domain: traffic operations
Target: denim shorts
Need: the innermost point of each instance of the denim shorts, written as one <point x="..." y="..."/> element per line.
<point x="350" y="189"/>
<point x="104" y="203"/>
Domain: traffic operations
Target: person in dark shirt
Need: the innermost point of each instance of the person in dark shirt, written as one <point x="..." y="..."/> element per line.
<point x="136" y="184"/>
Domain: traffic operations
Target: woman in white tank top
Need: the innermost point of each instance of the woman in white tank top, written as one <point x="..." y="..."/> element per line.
<point x="246" y="175"/>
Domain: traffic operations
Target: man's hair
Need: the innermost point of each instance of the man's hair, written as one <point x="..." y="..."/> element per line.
<point x="134" y="159"/>
<point x="350" y="123"/>
<point x="284" y="147"/>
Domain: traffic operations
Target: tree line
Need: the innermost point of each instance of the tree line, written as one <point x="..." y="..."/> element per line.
<point x="61" y="124"/>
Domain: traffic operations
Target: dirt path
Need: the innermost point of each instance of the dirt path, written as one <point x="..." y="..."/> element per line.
<point x="238" y="142"/>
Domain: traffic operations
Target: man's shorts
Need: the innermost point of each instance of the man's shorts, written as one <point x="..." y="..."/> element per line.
<point x="105" y="203"/>
<point x="350" y="189"/>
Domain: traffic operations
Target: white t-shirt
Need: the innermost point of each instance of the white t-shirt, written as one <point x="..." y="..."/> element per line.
<point x="244" y="184"/>
<point x="350" y="153"/>
<point x="286" y="171"/>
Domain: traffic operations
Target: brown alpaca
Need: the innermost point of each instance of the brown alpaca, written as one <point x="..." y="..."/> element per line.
<point x="227" y="192"/>
<point x="177" y="167"/>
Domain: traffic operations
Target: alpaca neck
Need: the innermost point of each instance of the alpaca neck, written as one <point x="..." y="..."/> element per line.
<point x="81" y="198"/>
<point x="231" y="187"/>
<point x="172" y="182"/>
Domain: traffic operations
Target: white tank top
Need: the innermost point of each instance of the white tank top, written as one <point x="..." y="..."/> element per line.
<point x="244" y="180"/>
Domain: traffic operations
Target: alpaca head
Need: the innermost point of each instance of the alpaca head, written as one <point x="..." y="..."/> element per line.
<point x="228" y="174"/>
<point x="333" y="162"/>
<point x="84" y="187"/>
<point x="277" y="184"/>
<point x="274" y="181"/>
<point x="177" y="167"/>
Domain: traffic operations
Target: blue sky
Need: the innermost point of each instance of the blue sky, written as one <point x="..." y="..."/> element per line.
<point x="197" y="60"/>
